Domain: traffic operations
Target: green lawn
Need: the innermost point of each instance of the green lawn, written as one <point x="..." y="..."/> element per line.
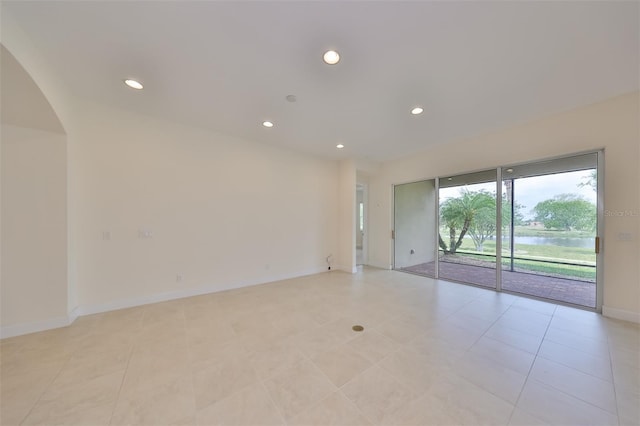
<point x="570" y="271"/>
<point x="531" y="257"/>
<point x="536" y="251"/>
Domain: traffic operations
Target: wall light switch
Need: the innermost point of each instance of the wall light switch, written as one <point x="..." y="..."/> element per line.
<point x="106" y="235"/>
<point x="625" y="236"/>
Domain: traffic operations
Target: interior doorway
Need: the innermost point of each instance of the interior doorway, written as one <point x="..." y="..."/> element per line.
<point x="361" y="221"/>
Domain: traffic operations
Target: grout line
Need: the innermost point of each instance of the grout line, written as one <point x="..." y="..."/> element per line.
<point x="124" y="375"/>
<point x="526" y="380"/>
<point x="126" y="369"/>
<point x="613" y="377"/>
<point x="362" y="302"/>
<point x="46" y="388"/>
<point x="266" y="391"/>
<point x="190" y="363"/>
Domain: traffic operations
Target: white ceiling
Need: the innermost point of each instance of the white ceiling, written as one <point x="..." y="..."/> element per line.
<point x="227" y="66"/>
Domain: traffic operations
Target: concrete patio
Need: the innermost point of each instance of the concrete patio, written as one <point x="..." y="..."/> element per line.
<point x="566" y="290"/>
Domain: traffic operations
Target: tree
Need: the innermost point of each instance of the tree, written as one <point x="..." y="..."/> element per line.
<point x="483" y="225"/>
<point x="518" y="217"/>
<point x="458" y="214"/>
<point x="590" y="181"/>
<point x="566" y="212"/>
<point x="452" y="217"/>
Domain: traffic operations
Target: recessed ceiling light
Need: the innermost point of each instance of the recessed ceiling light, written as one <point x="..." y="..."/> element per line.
<point x="339" y="146"/>
<point x="449" y="178"/>
<point x="267" y="124"/>
<point x="331" y="57"/>
<point x="133" y="84"/>
<point x="417" y="110"/>
<point x="509" y="170"/>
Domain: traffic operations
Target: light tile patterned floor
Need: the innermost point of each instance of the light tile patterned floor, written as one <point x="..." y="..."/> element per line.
<point x="284" y="353"/>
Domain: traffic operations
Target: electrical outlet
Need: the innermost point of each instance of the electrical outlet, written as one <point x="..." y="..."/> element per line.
<point x="145" y="233"/>
<point x="179" y="278"/>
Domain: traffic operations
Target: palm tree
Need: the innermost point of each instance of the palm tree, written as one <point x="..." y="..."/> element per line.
<point x="458" y="214"/>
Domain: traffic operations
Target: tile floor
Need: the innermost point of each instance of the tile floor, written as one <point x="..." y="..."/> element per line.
<point x="284" y="353"/>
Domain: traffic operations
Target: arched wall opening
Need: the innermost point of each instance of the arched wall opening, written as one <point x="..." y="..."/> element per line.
<point x="33" y="167"/>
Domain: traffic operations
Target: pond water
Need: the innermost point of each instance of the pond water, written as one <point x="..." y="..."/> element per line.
<point x="581" y="242"/>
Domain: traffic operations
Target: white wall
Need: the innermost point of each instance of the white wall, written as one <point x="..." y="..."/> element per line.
<point x="198" y="192"/>
<point x="46" y="94"/>
<point x="223" y="212"/>
<point x="34" y="226"/>
<point x="612" y="124"/>
<point x="415" y="223"/>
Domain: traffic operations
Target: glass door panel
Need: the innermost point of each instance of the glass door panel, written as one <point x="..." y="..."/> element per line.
<point x="468" y="228"/>
<point x="549" y="237"/>
<point x="415" y="224"/>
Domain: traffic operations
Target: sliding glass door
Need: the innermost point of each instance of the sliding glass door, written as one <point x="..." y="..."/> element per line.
<point x="468" y="226"/>
<point x="541" y="229"/>
<point x="549" y="233"/>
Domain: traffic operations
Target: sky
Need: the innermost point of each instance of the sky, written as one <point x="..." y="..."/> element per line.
<point x="530" y="191"/>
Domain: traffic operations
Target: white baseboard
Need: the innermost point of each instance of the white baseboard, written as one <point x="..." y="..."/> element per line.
<point x="34" y="327"/>
<point x="347" y="269"/>
<point x="191" y="292"/>
<point x="153" y="298"/>
<point x="382" y="266"/>
<point x="621" y="314"/>
<point x="73" y="314"/>
<point x="379" y="265"/>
